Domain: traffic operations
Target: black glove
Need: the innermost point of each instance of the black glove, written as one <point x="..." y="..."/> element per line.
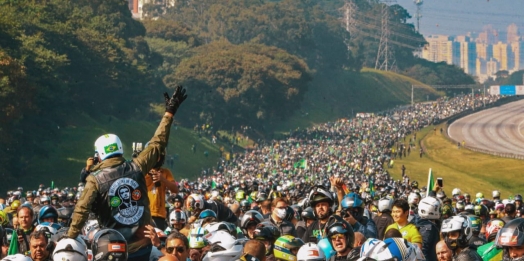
<point x="174" y="102"/>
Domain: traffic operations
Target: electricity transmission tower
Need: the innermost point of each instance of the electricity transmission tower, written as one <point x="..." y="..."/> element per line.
<point x="385" y="60"/>
<point x="418" y="3"/>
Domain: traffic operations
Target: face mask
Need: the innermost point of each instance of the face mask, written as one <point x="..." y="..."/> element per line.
<point x="281" y="213"/>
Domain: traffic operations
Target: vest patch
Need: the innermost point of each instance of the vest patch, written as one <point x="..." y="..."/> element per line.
<point x="123" y="195"/>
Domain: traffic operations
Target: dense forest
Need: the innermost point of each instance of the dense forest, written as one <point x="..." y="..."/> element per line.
<point x="243" y="62"/>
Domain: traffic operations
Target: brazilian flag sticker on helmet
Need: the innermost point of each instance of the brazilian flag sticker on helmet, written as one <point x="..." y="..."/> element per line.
<point x="111" y="148"/>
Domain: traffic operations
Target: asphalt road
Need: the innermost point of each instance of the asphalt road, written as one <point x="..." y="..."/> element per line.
<point x="499" y="129"/>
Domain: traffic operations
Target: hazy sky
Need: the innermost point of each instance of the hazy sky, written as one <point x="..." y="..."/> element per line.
<point x="456" y="17"/>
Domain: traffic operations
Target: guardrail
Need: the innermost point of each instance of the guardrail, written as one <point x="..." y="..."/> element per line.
<point x="457" y="116"/>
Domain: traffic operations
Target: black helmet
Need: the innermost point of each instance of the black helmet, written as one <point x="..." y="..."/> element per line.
<point x="308" y="213"/>
<point x="342" y="227"/>
<point x="511" y="235"/>
<point x="64" y="216"/>
<point x="245" y="206"/>
<point x="320" y="194"/>
<point x="110" y="245"/>
<point x="251" y="217"/>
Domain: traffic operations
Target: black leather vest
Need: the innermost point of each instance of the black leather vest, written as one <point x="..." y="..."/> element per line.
<point x="122" y="202"/>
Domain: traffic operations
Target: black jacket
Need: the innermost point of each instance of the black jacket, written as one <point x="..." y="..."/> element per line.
<point x="382" y="222"/>
<point x="430" y="237"/>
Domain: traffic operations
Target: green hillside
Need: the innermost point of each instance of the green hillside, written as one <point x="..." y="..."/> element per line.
<point x="343" y="95"/>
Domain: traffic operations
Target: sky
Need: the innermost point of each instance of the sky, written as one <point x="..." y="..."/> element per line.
<point x="458" y="17"/>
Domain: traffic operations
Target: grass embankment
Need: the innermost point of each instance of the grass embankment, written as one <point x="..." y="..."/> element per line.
<point x="470" y="171"/>
<point x="342" y="95"/>
<point x="68" y="157"/>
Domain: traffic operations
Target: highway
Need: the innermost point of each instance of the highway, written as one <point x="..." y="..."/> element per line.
<point x="499" y="129"/>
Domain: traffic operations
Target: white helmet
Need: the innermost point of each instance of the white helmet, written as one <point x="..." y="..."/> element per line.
<point x="385" y="204"/>
<point x="496" y="194"/>
<point x="70" y="249"/>
<point x="310" y="252"/>
<point x="456" y="192"/>
<point x="461" y="224"/>
<point x="224" y="247"/>
<point x="429" y="208"/>
<point x="17" y="257"/>
<point x="413" y="198"/>
<point x="108" y="145"/>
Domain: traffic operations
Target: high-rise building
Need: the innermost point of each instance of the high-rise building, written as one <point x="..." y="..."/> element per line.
<point x="438" y="49"/>
<point x="468" y="57"/>
<point x="492" y="67"/>
<point x="513" y="33"/>
<point x="517" y="50"/>
<point x="500" y="53"/>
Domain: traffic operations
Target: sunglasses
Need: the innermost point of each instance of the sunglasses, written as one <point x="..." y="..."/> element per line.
<point x="337" y="236"/>
<point x="179" y="249"/>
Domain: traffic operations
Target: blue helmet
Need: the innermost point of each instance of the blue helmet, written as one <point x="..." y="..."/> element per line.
<point x="47" y="212"/>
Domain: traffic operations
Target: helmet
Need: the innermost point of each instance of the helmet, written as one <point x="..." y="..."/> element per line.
<point x="109" y="244"/>
<point x="194" y="202"/>
<point x="517" y="197"/>
<point x="461" y="224"/>
<point x="308" y="213"/>
<point x="456" y="192"/>
<point x="413" y="198"/>
<point x="47" y="212"/>
<point x="64" y="215"/>
<point x="207" y="213"/>
<point x="476" y="223"/>
<point x="240" y="195"/>
<point x="4" y="218"/>
<point x="45" y="199"/>
<point x="344" y="228"/>
<point x="252" y="217"/>
<point x="223" y="247"/>
<point x="401" y="249"/>
<point x="244" y="205"/>
<point x="320" y="194"/>
<point x="385" y="204"/>
<point x="496" y="194"/>
<point x="223" y="226"/>
<point x="17" y="257"/>
<point x="50" y="229"/>
<point x="15" y="205"/>
<point x="177" y="217"/>
<point x="351" y="200"/>
<point x="460" y="205"/>
<point x="108" y="145"/>
<point x="196" y="238"/>
<point x="511" y="235"/>
<point x="286" y="248"/>
<point x="70" y="249"/>
<point x="479" y="195"/>
<point x="310" y="252"/>
<point x="429" y="208"/>
<point x="266" y="230"/>
<point x="414" y="184"/>
<point x="492" y="227"/>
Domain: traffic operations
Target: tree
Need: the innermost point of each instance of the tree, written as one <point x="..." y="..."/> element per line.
<point x="241" y="84"/>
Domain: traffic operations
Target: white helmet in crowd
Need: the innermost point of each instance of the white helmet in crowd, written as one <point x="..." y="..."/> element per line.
<point x="413" y="198"/>
<point x="70" y="249"/>
<point x="429" y="208"/>
<point x="310" y="252"/>
<point x="17" y="257"/>
<point x="108" y="145"/>
<point x="456" y="192"/>
<point x="385" y="204"/>
<point x="223" y="247"/>
<point x="496" y="194"/>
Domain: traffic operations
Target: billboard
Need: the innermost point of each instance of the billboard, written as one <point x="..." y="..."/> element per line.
<point x="506" y="90"/>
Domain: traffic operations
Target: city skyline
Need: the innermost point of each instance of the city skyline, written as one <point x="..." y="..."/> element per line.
<point x="459" y="17"/>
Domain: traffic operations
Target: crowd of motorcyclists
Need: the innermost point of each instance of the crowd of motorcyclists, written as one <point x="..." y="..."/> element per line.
<point x="323" y="193"/>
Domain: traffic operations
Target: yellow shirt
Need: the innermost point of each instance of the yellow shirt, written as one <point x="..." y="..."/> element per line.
<point x="409" y="232"/>
<point x="157" y="195"/>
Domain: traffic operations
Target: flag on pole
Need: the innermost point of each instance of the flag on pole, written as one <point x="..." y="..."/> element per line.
<point x="52" y="184"/>
<point x="301" y="164"/>
<point x="431" y="182"/>
<point x="13" y="246"/>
